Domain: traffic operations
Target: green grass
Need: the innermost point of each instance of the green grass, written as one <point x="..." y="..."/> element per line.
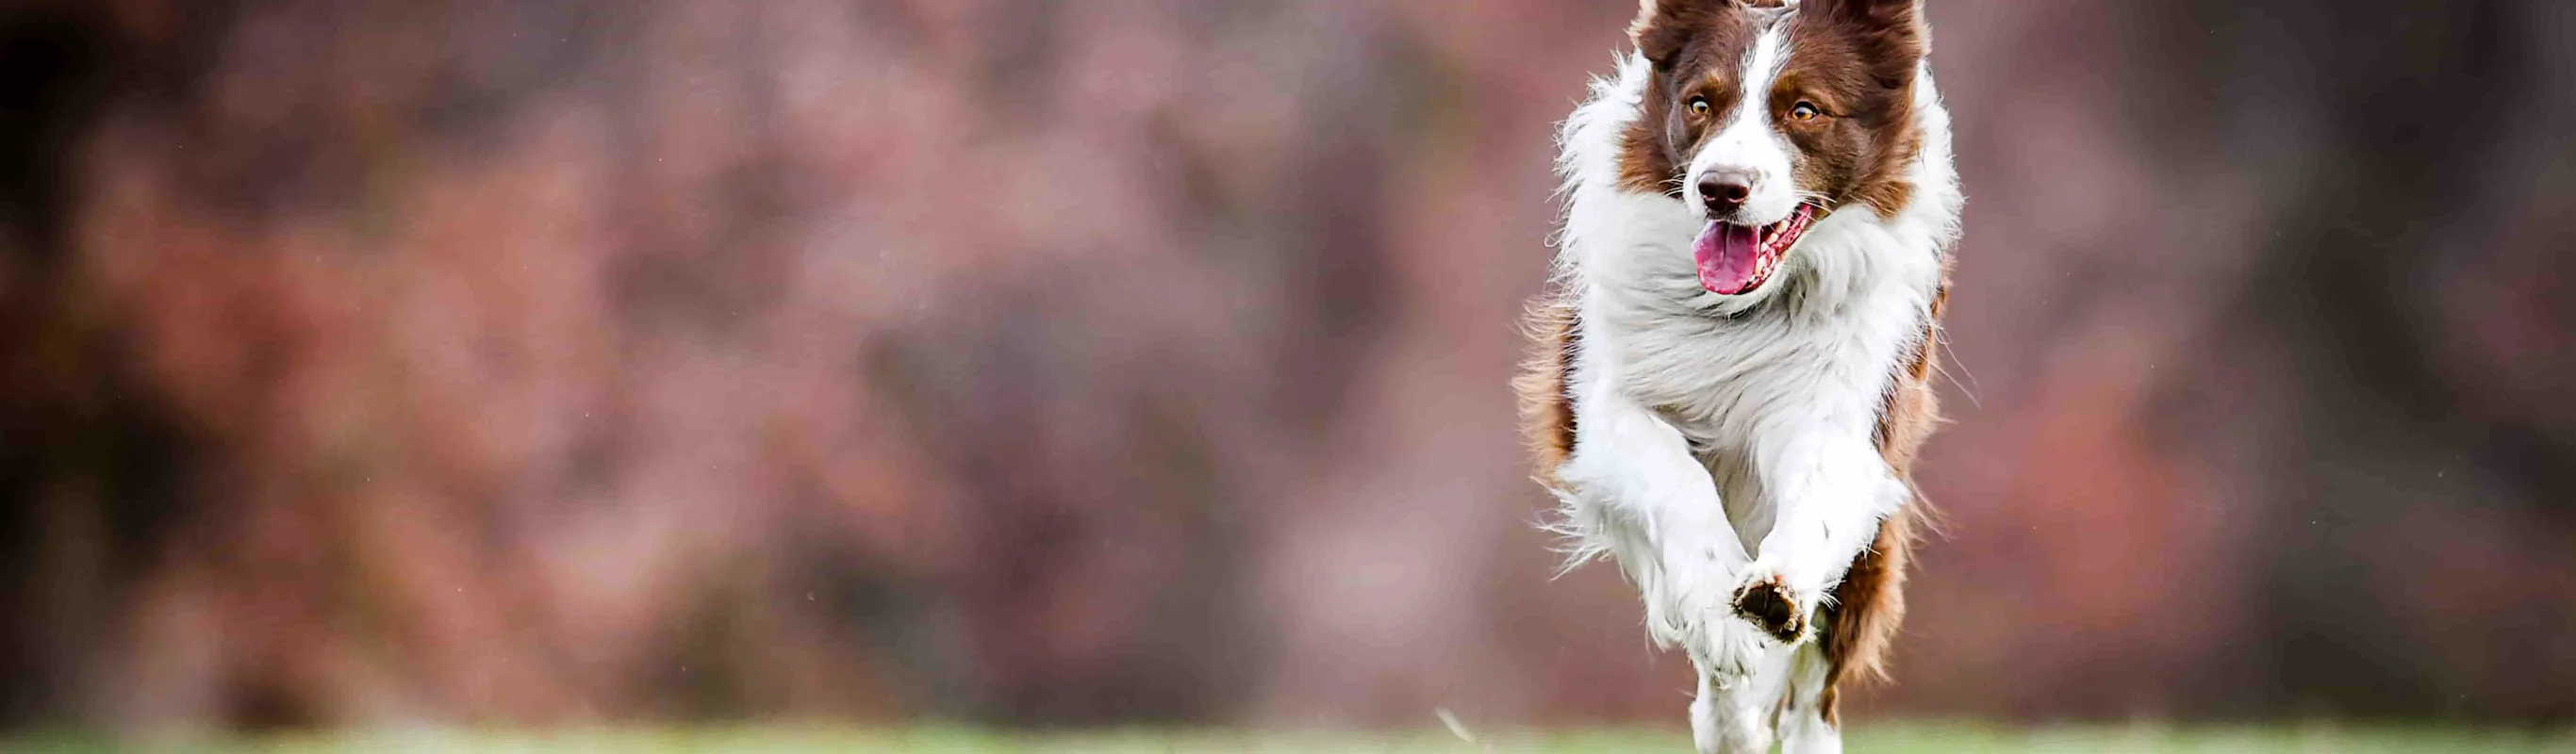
<point x="1899" y="738"/>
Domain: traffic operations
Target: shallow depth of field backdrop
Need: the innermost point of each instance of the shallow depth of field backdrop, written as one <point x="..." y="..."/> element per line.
<point x="1144" y="362"/>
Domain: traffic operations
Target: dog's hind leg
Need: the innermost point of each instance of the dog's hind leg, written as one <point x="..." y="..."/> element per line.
<point x="1805" y="727"/>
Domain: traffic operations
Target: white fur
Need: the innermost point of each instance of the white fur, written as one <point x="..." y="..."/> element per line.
<point x="1723" y="440"/>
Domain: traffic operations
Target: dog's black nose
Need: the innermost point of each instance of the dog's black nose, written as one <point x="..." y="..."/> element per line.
<point x="1725" y="190"/>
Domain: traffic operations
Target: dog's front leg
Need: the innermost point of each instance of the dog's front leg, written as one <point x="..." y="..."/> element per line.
<point x="1832" y="489"/>
<point x="1637" y="493"/>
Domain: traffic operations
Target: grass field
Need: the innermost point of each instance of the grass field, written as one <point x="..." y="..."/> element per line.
<point x="1887" y="738"/>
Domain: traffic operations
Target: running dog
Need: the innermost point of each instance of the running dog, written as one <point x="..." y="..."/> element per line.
<point x="1734" y="358"/>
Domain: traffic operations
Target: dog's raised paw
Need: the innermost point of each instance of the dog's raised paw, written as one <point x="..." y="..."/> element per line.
<point x="1769" y="604"/>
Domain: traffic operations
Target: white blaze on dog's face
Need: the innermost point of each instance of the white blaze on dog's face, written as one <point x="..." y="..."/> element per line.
<point x="1766" y="115"/>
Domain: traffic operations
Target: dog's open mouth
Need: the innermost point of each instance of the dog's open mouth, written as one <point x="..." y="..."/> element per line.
<point x="1737" y="258"/>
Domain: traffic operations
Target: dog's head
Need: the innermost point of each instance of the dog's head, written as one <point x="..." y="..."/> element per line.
<point x="1766" y="115"/>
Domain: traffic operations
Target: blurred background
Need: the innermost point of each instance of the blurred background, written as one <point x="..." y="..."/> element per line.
<point x="1144" y="362"/>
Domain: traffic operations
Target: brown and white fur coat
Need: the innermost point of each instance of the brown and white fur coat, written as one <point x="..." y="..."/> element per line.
<point x="1733" y="371"/>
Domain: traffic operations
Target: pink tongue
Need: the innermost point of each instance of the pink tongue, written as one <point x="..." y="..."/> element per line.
<point x="1726" y="259"/>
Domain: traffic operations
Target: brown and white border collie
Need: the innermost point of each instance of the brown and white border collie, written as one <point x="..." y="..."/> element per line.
<point x="1734" y="359"/>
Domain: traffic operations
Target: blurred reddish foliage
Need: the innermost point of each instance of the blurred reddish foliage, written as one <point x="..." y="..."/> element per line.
<point x="1072" y="362"/>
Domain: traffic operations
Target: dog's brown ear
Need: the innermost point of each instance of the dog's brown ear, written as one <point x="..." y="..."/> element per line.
<point x="1880" y="12"/>
<point x="1663" y="26"/>
<point x="1888" y="34"/>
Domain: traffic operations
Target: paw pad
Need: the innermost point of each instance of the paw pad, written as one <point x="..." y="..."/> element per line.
<point x="1768" y="605"/>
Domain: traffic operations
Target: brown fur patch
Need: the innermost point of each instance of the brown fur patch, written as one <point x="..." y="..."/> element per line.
<point x="1855" y="60"/>
<point x="1547" y="413"/>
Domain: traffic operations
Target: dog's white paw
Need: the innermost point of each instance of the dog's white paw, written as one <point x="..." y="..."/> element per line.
<point x="1768" y="599"/>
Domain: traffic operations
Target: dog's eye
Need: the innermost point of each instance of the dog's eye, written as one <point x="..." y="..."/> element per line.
<point x="1699" y="106"/>
<point x="1805" y="111"/>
